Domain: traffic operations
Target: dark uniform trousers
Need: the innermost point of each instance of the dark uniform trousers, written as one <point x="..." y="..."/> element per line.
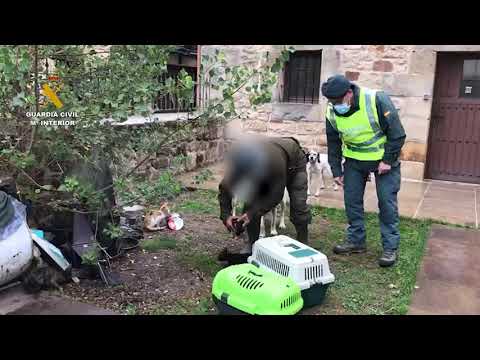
<point x="387" y="186"/>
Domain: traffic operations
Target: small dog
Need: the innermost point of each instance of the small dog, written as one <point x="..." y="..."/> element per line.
<point x="157" y="219"/>
<point x="318" y="166"/>
<point x="271" y="215"/>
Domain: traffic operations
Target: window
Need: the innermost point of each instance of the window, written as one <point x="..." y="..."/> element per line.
<point x="185" y="57"/>
<point x="470" y="84"/>
<point x="302" y="77"/>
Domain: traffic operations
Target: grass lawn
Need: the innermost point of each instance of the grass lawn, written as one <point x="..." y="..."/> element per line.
<point x="361" y="286"/>
<point x="172" y="272"/>
<point x="199" y="202"/>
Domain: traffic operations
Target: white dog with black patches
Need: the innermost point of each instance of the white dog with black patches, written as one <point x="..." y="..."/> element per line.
<point x="271" y="215"/>
<point x="318" y="168"/>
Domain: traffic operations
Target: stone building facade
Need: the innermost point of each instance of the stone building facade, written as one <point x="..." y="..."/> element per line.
<point x="406" y="72"/>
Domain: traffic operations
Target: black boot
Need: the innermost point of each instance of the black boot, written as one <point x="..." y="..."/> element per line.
<point x="302" y="233"/>
<point x="348" y="247"/>
<point x="388" y="258"/>
<point x="232" y="258"/>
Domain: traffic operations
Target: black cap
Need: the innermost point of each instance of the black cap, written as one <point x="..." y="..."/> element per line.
<point x="335" y="87"/>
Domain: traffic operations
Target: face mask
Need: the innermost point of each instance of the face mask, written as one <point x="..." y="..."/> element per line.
<point x="342" y="108"/>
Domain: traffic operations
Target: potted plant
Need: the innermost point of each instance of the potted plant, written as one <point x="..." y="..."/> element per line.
<point x="90" y="262"/>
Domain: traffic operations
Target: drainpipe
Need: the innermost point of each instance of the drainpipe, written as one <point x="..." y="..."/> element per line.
<point x="37" y="93"/>
<point x="197" y="92"/>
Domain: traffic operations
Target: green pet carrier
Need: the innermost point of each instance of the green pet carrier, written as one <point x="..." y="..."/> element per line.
<point x="247" y="289"/>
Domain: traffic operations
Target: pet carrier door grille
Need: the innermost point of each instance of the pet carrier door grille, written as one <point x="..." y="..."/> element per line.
<point x="313" y="272"/>
<point x="273" y="264"/>
<point x="248" y="283"/>
<point x="289" y="301"/>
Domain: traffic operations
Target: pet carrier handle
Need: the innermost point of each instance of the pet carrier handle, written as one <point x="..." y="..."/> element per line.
<point x="253" y="273"/>
<point x="295" y="247"/>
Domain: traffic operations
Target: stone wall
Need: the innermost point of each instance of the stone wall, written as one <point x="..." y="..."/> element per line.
<point x="405" y="72"/>
<point x="304" y="121"/>
<point x="206" y="146"/>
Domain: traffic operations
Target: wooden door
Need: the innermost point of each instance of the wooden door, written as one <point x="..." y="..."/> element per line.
<point x="454" y="139"/>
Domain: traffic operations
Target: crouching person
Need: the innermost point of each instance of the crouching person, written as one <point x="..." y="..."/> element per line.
<point x="257" y="173"/>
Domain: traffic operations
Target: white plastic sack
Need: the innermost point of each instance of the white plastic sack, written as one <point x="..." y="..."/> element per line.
<point x="18" y="219"/>
<point x="16" y="246"/>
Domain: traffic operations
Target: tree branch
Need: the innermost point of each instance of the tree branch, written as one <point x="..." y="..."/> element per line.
<point x="37" y="99"/>
<point x="27" y="176"/>
<point x="162" y="143"/>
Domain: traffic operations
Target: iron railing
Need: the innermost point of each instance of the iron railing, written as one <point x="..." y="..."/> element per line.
<point x="169" y="102"/>
<point x="302" y="77"/>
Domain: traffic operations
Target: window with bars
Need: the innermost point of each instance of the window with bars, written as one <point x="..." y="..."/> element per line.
<point x="302" y="77"/>
<point x="470" y="83"/>
<point x="185" y="57"/>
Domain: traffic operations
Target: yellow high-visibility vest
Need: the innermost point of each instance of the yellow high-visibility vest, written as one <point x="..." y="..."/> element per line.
<point x="362" y="137"/>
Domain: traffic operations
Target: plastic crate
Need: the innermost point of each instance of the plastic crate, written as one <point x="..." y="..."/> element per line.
<point x="287" y="257"/>
<point x="247" y="289"/>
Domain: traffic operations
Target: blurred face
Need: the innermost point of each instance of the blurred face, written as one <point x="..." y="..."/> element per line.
<point x="247" y="159"/>
<point x="241" y="182"/>
<point x="245" y="189"/>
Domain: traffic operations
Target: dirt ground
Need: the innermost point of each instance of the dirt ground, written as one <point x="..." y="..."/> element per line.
<point x="176" y="280"/>
<point x="172" y="272"/>
<point x="166" y="281"/>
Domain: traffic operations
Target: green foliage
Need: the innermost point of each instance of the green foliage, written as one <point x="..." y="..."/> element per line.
<point x="91" y="257"/>
<point x="131" y="309"/>
<point x="113" y="231"/>
<point x="161" y="242"/>
<point x="361" y="286"/>
<point x="165" y="187"/>
<point x="99" y="84"/>
<point x="181" y="88"/>
<point x="15" y="68"/>
<point x="178" y="162"/>
<point x="21" y="160"/>
<point x="200" y="202"/>
<point x="256" y="81"/>
<point x="84" y="193"/>
<point x="203" y="306"/>
<point x="203" y="176"/>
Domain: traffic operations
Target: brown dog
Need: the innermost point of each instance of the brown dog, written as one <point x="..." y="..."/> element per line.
<point x="157" y="219"/>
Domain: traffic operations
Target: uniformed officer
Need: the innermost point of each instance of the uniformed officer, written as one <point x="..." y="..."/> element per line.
<point x="363" y="126"/>
<point x="258" y="171"/>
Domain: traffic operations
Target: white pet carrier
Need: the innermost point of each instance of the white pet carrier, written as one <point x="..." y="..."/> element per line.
<point x="306" y="266"/>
